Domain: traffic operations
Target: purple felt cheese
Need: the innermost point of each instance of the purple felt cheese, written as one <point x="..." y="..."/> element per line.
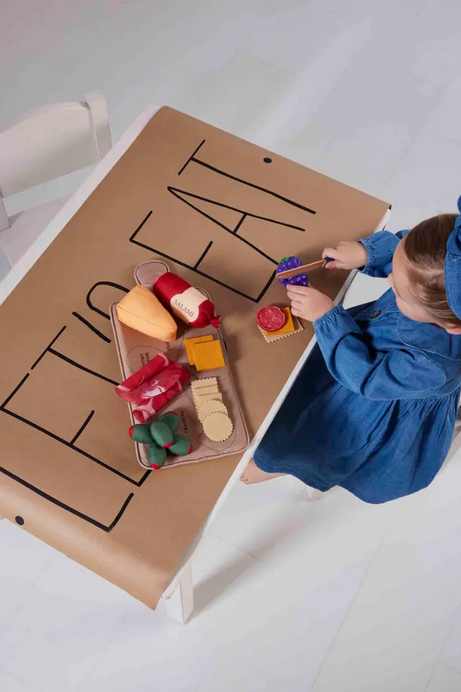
<point x="292" y="263"/>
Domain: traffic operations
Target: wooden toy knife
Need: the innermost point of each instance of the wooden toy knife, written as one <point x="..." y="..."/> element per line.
<point x="290" y="273"/>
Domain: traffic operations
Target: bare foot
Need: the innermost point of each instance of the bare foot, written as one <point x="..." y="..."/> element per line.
<point x="254" y="475"/>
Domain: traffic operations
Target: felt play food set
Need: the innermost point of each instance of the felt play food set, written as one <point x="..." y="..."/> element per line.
<point x="274" y="322"/>
<point x="189" y="344"/>
<point x="204" y="352"/>
<point x="291" y="263"/>
<point x="291" y="271"/>
<point x="186" y="302"/>
<point x="161" y="438"/>
<point x="190" y="373"/>
<point x="291" y="325"/>
<point x="211" y="410"/>
<point x="156" y="364"/>
<point x="153" y="386"/>
<point x="142" y="311"/>
<point x="271" y="318"/>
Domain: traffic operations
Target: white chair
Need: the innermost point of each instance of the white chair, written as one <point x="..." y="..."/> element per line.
<point x="37" y="147"/>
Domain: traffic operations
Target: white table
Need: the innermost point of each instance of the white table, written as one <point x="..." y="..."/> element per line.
<point x="178" y="597"/>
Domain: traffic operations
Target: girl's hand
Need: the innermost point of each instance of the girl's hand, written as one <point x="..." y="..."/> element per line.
<point x="308" y="303"/>
<point x="350" y="254"/>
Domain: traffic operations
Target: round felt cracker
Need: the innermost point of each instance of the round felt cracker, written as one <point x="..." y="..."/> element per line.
<point x="218" y="426"/>
<point x="211" y="406"/>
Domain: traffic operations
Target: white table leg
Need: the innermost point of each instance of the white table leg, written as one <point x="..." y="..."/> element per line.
<point x="179" y="598"/>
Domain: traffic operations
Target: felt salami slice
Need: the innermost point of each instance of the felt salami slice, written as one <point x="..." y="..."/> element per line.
<point x="271" y="318"/>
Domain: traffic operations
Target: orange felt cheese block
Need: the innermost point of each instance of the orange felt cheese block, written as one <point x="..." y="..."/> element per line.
<point x="142" y="311"/>
<point x="208" y="355"/>
<point x="287" y="328"/>
<point x="189" y="344"/>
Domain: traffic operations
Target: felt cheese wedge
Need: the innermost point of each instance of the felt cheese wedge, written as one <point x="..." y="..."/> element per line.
<point x="142" y="311"/>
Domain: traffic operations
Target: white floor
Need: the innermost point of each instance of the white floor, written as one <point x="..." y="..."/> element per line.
<point x="333" y="596"/>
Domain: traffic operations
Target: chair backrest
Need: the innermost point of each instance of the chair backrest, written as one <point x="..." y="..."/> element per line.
<point x="51" y="141"/>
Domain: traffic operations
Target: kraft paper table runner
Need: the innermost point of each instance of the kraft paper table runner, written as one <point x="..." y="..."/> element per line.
<point x="222" y="213"/>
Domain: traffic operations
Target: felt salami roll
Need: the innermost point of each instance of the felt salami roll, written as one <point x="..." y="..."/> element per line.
<point x="185" y="301"/>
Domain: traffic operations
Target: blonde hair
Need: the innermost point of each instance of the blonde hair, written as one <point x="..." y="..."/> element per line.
<point x="425" y="247"/>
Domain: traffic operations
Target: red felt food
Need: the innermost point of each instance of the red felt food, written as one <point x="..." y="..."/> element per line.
<point x="185" y="301"/>
<point x="271" y="318"/>
<point x="153" y="386"/>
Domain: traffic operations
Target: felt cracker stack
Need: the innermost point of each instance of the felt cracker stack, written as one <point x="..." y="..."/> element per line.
<point x="211" y="410"/>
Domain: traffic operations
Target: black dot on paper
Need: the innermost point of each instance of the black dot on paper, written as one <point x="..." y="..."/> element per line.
<point x="267" y="160"/>
<point x="19" y="520"/>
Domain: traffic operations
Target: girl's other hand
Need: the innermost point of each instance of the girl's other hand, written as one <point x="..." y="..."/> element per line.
<point x="349" y="254"/>
<point x="308" y="303"/>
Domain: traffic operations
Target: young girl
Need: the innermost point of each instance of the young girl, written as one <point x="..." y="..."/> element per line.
<point x="374" y="408"/>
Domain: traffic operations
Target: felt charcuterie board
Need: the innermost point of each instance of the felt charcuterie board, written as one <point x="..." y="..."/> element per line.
<point x="135" y="349"/>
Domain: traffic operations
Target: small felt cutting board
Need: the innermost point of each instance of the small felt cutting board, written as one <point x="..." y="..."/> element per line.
<point x="135" y="350"/>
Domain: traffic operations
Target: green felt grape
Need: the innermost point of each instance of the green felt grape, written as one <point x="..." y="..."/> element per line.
<point x="156" y="455"/>
<point x="181" y="446"/>
<point x="171" y="419"/>
<point x="161" y="433"/>
<point x="141" y="433"/>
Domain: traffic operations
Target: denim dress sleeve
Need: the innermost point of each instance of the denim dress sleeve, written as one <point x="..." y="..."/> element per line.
<point x="404" y="373"/>
<point x="380" y="248"/>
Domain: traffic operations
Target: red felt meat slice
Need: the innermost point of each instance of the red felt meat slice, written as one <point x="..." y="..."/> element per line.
<point x="271" y="318"/>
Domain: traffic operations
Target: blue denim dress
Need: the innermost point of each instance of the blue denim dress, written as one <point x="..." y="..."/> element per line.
<point x="374" y="408"/>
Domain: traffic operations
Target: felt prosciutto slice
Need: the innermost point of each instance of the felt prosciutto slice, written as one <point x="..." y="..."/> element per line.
<point x="153" y="386"/>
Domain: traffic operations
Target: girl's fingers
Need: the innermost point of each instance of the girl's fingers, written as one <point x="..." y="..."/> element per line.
<point x="300" y="290"/>
<point x="296" y="303"/>
<point x="296" y="312"/>
<point x="332" y="252"/>
<point x="295" y="298"/>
